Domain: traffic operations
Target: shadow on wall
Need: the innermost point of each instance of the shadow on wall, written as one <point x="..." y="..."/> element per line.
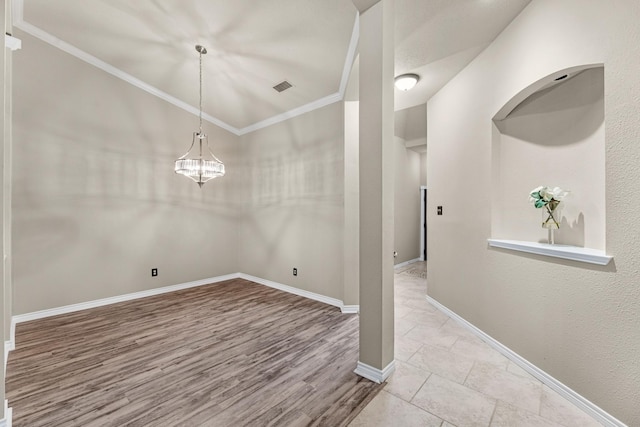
<point x="303" y="177"/>
<point x="571" y="233"/>
<point x="569" y="101"/>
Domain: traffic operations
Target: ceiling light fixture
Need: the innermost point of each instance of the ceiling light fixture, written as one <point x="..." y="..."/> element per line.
<point x="406" y="81"/>
<point x="203" y="165"/>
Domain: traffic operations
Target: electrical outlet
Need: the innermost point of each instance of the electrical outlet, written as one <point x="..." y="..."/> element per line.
<point x="154" y="272"/>
<point x="439" y="210"/>
<point x="295" y="271"/>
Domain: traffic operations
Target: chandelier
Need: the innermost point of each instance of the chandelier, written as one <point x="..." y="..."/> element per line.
<point x="201" y="165"/>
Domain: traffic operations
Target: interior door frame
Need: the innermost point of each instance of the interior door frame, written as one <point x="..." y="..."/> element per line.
<point x="423" y="223"/>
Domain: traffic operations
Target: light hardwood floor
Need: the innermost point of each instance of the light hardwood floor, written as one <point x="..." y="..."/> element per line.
<point x="228" y="354"/>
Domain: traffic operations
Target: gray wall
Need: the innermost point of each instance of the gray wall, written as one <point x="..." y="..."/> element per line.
<point x="293" y="211"/>
<point x="105" y="206"/>
<point x="576" y="321"/>
<point x="96" y="203"/>
<point x="407" y="203"/>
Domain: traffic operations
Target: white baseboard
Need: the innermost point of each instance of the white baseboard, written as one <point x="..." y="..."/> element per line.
<point x="411" y="261"/>
<point x="587" y="406"/>
<point x="120" y="298"/>
<point x="374" y="374"/>
<point x="290" y="289"/>
<point x="10" y="345"/>
<point x="350" y="309"/>
<point x="8" y="414"/>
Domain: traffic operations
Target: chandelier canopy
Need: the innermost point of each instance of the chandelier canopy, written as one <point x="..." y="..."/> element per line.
<point x="199" y="163"/>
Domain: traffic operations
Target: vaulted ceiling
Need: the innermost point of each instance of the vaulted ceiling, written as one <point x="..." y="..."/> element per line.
<point x="255" y="44"/>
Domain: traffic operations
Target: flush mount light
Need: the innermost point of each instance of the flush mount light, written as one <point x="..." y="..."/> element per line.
<point x="406" y="81"/>
<point x="201" y="165"/>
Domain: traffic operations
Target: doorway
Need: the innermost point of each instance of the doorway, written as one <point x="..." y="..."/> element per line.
<point x="423" y="223"/>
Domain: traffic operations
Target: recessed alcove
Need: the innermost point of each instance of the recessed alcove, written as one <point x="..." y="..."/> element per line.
<point x="552" y="133"/>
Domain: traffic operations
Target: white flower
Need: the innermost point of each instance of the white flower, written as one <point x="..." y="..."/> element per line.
<point x="557" y="193"/>
<point x="547" y="194"/>
<point x="541" y="196"/>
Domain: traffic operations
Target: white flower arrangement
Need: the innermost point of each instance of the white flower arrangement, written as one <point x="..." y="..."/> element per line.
<point x="549" y="199"/>
<point x="542" y="196"/>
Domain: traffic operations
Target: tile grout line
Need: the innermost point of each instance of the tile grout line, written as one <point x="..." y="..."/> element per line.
<point x="422" y="409"/>
<point x="493" y="414"/>
<point x="469" y="373"/>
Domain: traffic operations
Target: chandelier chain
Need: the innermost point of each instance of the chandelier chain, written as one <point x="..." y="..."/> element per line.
<point x="200" y="91"/>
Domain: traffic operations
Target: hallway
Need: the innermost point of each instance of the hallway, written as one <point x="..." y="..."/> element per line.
<point x="446" y="376"/>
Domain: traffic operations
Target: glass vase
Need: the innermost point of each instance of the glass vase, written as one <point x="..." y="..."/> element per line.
<point x="551" y="218"/>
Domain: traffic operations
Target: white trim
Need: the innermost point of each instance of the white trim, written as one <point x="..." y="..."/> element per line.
<point x="290" y="289"/>
<point x="8" y="415"/>
<point x="350" y="309"/>
<point x="374" y="374"/>
<point x="423" y="222"/>
<point x="19" y="22"/>
<point x="8" y="346"/>
<point x="403" y="264"/>
<point x="351" y="56"/>
<point x="574" y="253"/>
<point x="314" y="105"/>
<point x="12" y="43"/>
<point x="587" y="406"/>
<point x="158" y="291"/>
<point x="116" y="72"/>
<point x="121" y="298"/>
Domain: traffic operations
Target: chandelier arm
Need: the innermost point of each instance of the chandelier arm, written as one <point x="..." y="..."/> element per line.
<point x="193" y="141"/>
<point x="213" y="155"/>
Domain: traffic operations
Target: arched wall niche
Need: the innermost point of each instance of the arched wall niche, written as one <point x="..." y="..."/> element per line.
<point x="552" y="133"/>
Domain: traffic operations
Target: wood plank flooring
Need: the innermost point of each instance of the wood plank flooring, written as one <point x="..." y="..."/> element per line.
<point x="233" y="353"/>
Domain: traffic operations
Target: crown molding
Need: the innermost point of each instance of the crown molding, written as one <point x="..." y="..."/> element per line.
<point x="19" y="22"/>
<point x="116" y="72"/>
<point x="351" y="56"/>
<point x="314" y="105"/>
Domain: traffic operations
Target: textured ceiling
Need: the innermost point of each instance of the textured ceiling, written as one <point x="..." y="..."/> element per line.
<point x="254" y="45"/>
<point x="436" y="39"/>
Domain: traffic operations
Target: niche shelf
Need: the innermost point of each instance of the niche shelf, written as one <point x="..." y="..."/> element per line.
<point x="552" y="133"/>
<point x="574" y="253"/>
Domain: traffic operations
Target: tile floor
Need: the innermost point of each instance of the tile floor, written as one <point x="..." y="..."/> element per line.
<point x="445" y="376"/>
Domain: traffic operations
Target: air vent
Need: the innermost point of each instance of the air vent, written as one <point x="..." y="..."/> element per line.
<point x="281" y="87"/>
